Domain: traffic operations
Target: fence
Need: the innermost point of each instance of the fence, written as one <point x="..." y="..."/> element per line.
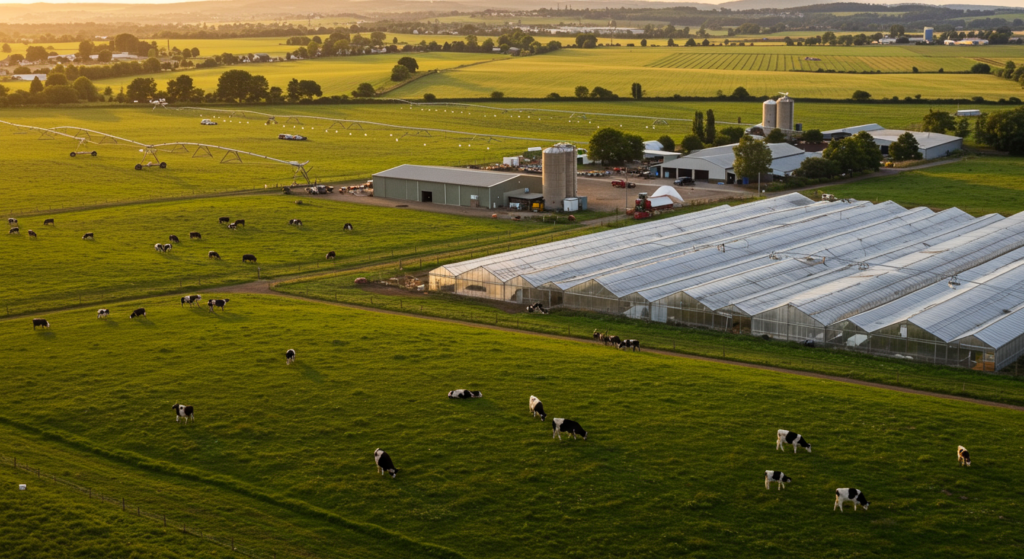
<point x="227" y="542"/>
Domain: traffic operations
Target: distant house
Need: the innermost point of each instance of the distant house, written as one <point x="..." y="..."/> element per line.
<point x="261" y="57"/>
<point x="514" y="51"/>
<point x="123" y="56"/>
<point x="28" y="77"/>
<point x="496" y="49"/>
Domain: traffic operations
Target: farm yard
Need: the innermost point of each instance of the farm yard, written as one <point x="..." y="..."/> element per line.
<point x="483" y="468"/>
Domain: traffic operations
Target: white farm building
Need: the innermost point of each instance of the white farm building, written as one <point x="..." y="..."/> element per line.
<point x="941" y="287"/>
<point x="716" y="164"/>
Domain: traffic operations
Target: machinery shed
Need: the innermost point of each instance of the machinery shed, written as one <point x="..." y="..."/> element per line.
<point x="452" y="186"/>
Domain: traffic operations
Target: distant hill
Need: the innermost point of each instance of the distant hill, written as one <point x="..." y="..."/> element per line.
<point x="783" y="4"/>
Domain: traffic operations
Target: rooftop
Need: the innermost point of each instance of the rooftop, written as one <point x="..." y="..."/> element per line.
<point x="447" y="175"/>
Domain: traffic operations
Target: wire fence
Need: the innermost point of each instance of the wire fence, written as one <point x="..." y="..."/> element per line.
<point x="227" y="542"/>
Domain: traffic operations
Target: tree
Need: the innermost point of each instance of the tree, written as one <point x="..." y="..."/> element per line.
<point x="691" y="143"/>
<point x="36" y="54"/>
<point x="602" y="93"/>
<point x="582" y="92"/>
<point x="813" y="136"/>
<point x="818" y="168"/>
<point x="667" y="143"/>
<point x="856" y="153"/>
<point x="1003" y="130"/>
<point x="364" y="90"/>
<point x="399" y="73"/>
<point x="740" y="93"/>
<point x="60" y="94"/>
<point x="410" y="63"/>
<point x="180" y="88"/>
<point x="36" y="86"/>
<point x="614" y="146"/>
<point x="239" y="86"/>
<point x="429" y="97"/>
<point x="636" y="91"/>
<point x="905" y="147"/>
<point x="1009" y="69"/>
<point x="85" y="88"/>
<point x="497" y="94"/>
<point x="151" y="65"/>
<point x="643" y="42"/>
<point x="55" y="78"/>
<point x="732" y="134"/>
<point x="753" y="159"/>
<point x="141" y="89"/>
<point x="108" y="90"/>
<point x="6" y="48"/>
<point x="104" y="56"/>
<point x="86" y="48"/>
<point x="582" y="39"/>
<point x="981" y="68"/>
<point x="195" y="52"/>
<point x="690" y="42"/>
<point x="698" y="125"/>
<point x="897" y="31"/>
<point x="304" y="89"/>
<point x="938" y="121"/>
<point x="776" y="136"/>
<point x="709" y="128"/>
<point x="861" y="95"/>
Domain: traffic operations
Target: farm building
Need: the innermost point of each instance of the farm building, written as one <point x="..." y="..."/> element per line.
<point x="932" y="144"/>
<point x="452" y="186"/>
<point x="840" y="133"/>
<point x="879" y="278"/>
<point x="716" y="164"/>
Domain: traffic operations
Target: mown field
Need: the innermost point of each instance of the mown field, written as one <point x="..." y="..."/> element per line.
<point x="738" y="60"/>
<point x="978" y="185"/>
<point x="122" y="262"/>
<point x="673" y="464"/>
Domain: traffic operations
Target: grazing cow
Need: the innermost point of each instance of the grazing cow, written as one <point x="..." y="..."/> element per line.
<point x="48" y="222"/>
<point x="40" y="322"/>
<point x="213" y="254"/>
<point x="962" y="456"/>
<point x="846" y="494"/>
<point x="190" y="299"/>
<point x="330" y="255"/>
<point x="348" y="227"/>
<point x="231" y="226"/>
<point x="384" y="463"/>
<point x="634" y="345"/>
<point x="173" y="239"/>
<point x="537" y="408"/>
<point x="11" y="221"/>
<point x="224" y="220"/>
<point x="239" y="222"/>
<point x="778" y="477"/>
<point x="195" y="235"/>
<point x="569" y="427"/>
<point x="247" y="258"/>
<point x="295" y="222"/>
<point x="31" y="234"/>
<point x="13" y="231"/>
<point x="462" y="394"/>
<point x="158" y="247"/>
<point x="137" y="312"/>
<point x="218" y="303"/>
<point x="88" y="236"/>
<point x="597" y="335"/>
<point x="102" y="313"/>
<point x="789" y="437"/>
<point x="289" y="357"/>
<point x="614" y="340"/>
<point x="536" y="307"/>
<point x="181" y="411"/>
<point x="168" y="247"/>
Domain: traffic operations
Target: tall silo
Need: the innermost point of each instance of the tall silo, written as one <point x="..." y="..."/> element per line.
<point x="559" y="174"/>
<point x="768" y="116"/>
<point x="785" y="107"/>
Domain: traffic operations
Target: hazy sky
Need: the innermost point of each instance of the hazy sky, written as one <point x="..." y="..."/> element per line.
<point x="1008" y="3"/>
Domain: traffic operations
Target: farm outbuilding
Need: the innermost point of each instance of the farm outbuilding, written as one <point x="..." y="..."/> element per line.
<point x="934" y="286"/>
<point x="932" y="144"/>
<point x="452" y="186"/>
<point x="716" y="164"/>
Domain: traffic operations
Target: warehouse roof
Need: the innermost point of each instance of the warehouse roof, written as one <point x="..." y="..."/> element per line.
<point x="723" y="156"/>
<point x="447" y="175"/>
<point x="925" y="140"/>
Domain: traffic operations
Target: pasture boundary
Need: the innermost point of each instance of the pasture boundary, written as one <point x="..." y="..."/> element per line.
<point x="227" y="542"/>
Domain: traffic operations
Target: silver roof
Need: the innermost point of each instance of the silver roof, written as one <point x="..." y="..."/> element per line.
<point x="447" y="175"/>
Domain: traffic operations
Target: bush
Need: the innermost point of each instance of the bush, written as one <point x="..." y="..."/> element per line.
<point x="818" y="168"/>
<point x="429" y="97"/>
<point x="813" y="136"/>
<point x="667" y="143"/>
<point x="553" y="95"/>
<point x="364" y="90"/>
<point x="691" y="143"/>
<point x="399" y="73"/>
<point x="410" y="63"/>
<point x="497" y="94"/>
<point x="602" y="93"/>
<point x="861" y="95"/>
<point x="740" y="93"/>
<point x="582" y="92"/>
<point x="981" y="68"/>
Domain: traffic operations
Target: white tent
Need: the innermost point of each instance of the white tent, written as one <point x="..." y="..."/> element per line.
<point x="669" y="191"/>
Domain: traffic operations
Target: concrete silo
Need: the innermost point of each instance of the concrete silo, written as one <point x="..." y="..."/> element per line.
<point x="559" y="174"/>
<point x="785" y="107"/>
<point x="768" y="116"/>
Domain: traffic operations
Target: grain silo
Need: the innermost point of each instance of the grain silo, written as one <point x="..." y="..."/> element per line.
<point x="785" y="112"/>
<point x="559" y="174"/>
<point x="768" y="116"/>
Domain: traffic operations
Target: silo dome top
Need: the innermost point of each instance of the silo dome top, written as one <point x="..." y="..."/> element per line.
<point x="769" y="102"/>
<point x="561" y="148"/>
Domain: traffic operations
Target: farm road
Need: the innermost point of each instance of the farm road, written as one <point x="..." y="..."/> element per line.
<point x="265" y="288"/>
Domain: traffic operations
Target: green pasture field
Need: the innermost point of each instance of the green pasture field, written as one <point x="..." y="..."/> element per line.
<point x="739" y="60"/>
<point x="121" y="261"/>
<point x="978" y="185"/>
<point x="673" y="464"/>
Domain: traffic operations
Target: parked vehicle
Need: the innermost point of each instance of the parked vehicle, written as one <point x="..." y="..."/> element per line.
<point x="682" y="180"/>
<point x="623" y="184"/>
<point x="290" y="137"/>
<point x="208" y="122"/>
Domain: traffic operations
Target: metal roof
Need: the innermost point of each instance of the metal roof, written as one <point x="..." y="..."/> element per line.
<point x="724" y="157"/>
<point x="447" y="175"/>
<point x="925" y="140"/>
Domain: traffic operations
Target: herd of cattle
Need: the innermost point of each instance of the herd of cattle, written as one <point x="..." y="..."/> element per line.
<point x="190" y="300"/>
<point x="615" y="341"/>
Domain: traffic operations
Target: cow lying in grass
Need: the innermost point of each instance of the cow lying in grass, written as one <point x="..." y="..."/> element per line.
<point x="463" y="394"/>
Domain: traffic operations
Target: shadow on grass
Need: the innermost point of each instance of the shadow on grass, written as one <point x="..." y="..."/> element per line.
<point x="47" y="334"/>
<point x="310" y="373"/>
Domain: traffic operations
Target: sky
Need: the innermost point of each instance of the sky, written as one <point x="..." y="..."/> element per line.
<point x="1007" y="3"/>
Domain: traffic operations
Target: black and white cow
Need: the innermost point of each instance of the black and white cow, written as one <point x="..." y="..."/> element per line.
<point x="11" y="221"/>
<point x="962" y="456"/>
<point x="137" y="312"/>
<point x="348" y="227"/>
<point x="159" y="247"/>
<point x="537" y="408"/>
<point x="31" y="234"/>
<point x="181" y="411"/>
<point x="49" y="221"/>
<point x="168" y="247"/>
<point x="238" y="222"/>
<point x="232" y="226"/>
<point x="289" y="357"/>
<point x="536" y="307"/>
<point x="88" y="236"/>
<point x="190" y="299"/>
<point x="173" y="239"/>
<point x="195" y="235"/>
<point x="295" y="222"/>
<point x="569" y="427"/>
<point x="224" y="220"/>
<point x="218" y="303"/>
<point x="40" y="322"/>
<point x="248" y="258"/>
<point x="789" y="437"/>
<point x="597" y="335"/>
<point x="846" y="494"/>
<point x="102" y="313"/>
<point x="213" y="254"/>
<point x="633" y="345"/>
<point x="384" y="463"/>
<point x="330" y="255"/>
<point x="614" y="340"/>
<point x="778" y="477"/>
<point x="14" y="231"/>
<point x="463" y="393"/>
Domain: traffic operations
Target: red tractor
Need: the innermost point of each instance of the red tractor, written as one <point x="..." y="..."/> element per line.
<point x="645" y="207"/>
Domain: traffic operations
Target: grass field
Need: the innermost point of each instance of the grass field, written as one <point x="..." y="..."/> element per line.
<point x="673" y="464"/>
<point x="979" y="185"/>
<point x="122" y="261"/>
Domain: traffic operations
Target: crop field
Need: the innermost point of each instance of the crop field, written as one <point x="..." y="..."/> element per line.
<point x="773" y="62"/>
<point x="121" y="261"/>
<point x="978" y="185"/>
<point x="673" y="463"/>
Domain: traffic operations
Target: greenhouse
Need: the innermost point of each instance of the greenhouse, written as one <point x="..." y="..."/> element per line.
<point x="847" y="273"/>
